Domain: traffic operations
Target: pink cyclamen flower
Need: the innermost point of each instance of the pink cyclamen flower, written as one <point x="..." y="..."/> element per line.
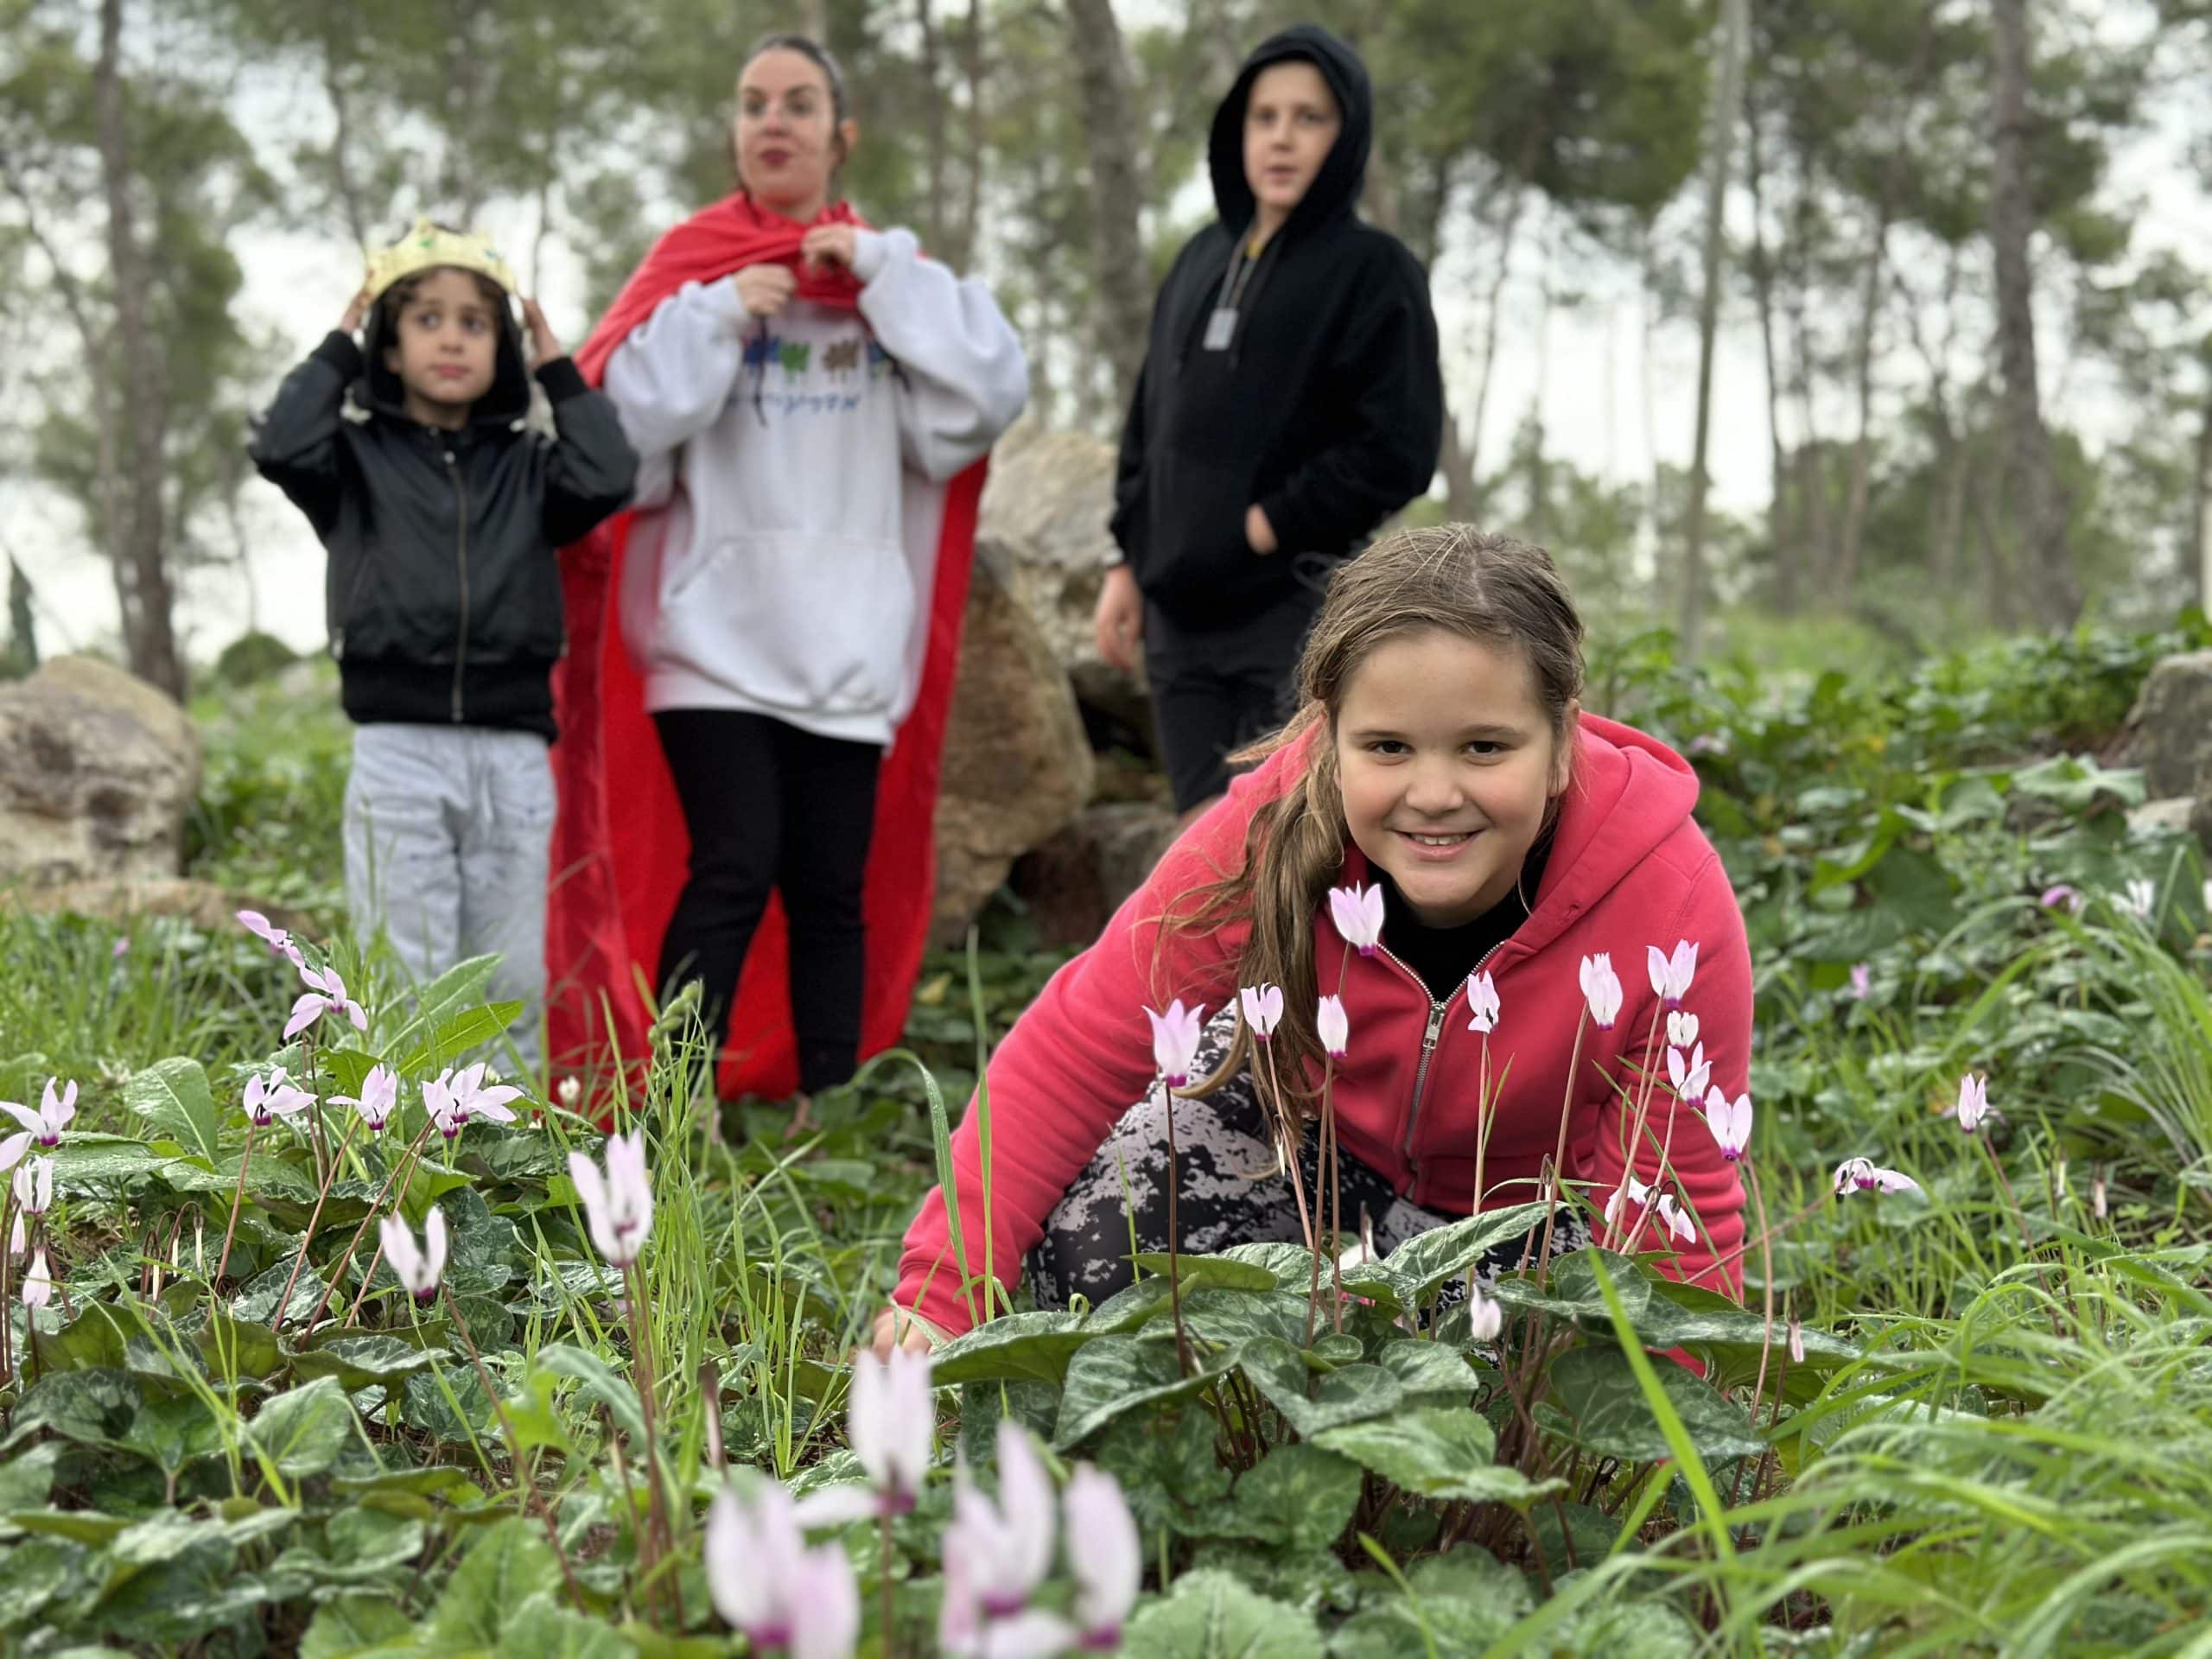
<point x="1730" y="1124"/>
<point x="2061" y="894"/>
<point x="1671" y="975"/>
<point x="2140" y="900"/>
<point x="1007" y="1546"/>
<point x="890" y="1423"/>
<point x="1262" y="1008"/>
<point x="447" y="1112"/>
<point x="379" y="1098"/>
<point x="326" y="994"/>
<point x="1681" y="1030"/>
<point x="1333" y="1025"/>
<point x="1485" y="1315"/>
<point x="1357" y="912"/>
<point x="1974" y="1101"/>
<point x="1175" y="1040"/>
<point x="1483" y="1003"/>
<point x="43" y="1128"/>
<point x="1105" y="1555"/>
<point x="1796" y="1342"/>
<point x="35" y="1187"/>
<point x="1601" y="989"/>
<point x="1862" y="1175"/>
<point x="121" y="947"/>
<point x="618" y="1209"/>
<point x="1862" y="981"/>
<point x="483" y="1098"/>
<point x="38" y="1284"/>
<point x="275" y="938"/>
<point x="1629" y="1194"/>
<point x="770" y="1587"/>
<point x="419" y="1270"/>
<point x="272" y="1097"/>
<point x="1689" y="1076"/>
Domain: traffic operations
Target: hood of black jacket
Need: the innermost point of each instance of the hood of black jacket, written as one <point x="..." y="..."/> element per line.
<point x="507" y="402"/>
<point x="1336" y="187"/>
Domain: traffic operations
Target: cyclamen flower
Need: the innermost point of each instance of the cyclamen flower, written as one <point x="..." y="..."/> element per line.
<point x="43" y="1127"/>
<point x="453" y="1098"/>
<point x="619" y="1208"/>
<point x="379" y="1098"/>
<point x="1629" y="1191"/>
<point x="1485" y="1316"/>
<point x="275" y="938"/>
<point x="1601" y="989"/>
<point x="1007" y="1547"/>
<point x="1796" y="1342"/>
<point x="1973" y="1102"/>
<point x="1671" y="975"/>
<point x="1677" y="1218"/>
<point x="2140" y="898"/>
<point x="34" y="1187"/>
<point x="770" y="1587"/>
<point x="1105" y="1554"/>
<point x="1689" y="1078"/>
<point x="2207" y="895"/>
<point x="889" y="1424"/>
<point x="1862" y="1175"/>
<point x="275" y="1096"/>
<point x="1175" y="1041"/>
<point x="1262" y="1008"/>
<point x="419" y="1270"/>
<point x="38" y="1284"/>
<point x="326" y="994"/>
<point x="1357" y="912"/>
<point x="2061" y="893"/>
<point x="1482" y="1002"/>
<point x="1862" y="981"/>
<point x="1730" y="1124"/>
<point x="1681" y="1030"/>
<point x="568" y="1091"/>
<point x="1333" y="1027"/>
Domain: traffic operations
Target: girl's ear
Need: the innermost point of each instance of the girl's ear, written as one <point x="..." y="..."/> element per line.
<point x="848" y="138"/>
<point x="1563" y="750"/>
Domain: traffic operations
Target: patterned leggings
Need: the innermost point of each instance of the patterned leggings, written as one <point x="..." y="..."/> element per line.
<point x="1229" y="1192"/>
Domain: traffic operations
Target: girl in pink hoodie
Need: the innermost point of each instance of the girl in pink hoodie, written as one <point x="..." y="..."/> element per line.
<point x="1519" y="846"/>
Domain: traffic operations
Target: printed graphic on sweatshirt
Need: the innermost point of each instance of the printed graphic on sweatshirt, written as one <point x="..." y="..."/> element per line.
<point x="795" y="377"/>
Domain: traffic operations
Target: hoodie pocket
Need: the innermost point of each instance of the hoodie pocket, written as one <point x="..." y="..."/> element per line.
<point x="1197" y="561"/>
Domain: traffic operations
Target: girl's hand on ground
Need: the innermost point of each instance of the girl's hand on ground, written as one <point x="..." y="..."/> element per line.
<point x="351" y="322"/>
<point x="544" y="344"/>
<point x="828" y="245"/>
<point x="896" y="1328"/>
<point x="765" y="289"/>
<point x="1258" y="531"/>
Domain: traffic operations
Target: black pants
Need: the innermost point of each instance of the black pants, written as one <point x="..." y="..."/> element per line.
<point x="1229" y="1192"/>
<point x="771" y="808"/>
<point x="1216" y="690"/>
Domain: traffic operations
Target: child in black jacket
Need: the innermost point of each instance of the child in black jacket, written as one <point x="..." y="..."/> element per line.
<point x="442" y="512"/>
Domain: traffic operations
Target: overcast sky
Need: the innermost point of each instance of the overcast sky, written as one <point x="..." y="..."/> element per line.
<point x="1592" y="391"/>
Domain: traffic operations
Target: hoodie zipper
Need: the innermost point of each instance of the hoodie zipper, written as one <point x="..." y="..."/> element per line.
<point x="1430" y="1037"/>
<point x="460" y="644"/>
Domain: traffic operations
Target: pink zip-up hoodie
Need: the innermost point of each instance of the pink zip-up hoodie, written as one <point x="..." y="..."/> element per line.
<point x="1628" y="869"/>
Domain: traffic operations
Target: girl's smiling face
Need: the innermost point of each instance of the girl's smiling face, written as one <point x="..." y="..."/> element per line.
<point x="1448" y="764"/>
<point x="789" y="140"/>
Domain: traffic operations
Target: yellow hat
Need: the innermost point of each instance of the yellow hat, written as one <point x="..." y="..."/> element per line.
<point x="428" y="246"/>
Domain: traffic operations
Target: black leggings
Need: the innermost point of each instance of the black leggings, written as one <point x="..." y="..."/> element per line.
<point x="1229" y="1192"/>
<point x="771" y="808"/>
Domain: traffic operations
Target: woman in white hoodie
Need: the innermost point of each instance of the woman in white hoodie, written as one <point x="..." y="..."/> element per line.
<point x="795" y="421"/>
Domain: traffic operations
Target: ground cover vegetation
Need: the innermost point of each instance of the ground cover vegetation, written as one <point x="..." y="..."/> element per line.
<point x="1965" y="1407"/>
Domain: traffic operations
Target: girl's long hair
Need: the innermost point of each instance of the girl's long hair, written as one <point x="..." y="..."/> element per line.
<point x="1453" y="578"/>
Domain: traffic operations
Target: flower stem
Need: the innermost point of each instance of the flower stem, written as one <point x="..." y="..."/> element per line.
<point x="1284" y="1128"/>
<point x="403" y="1167"/>
<point x="890" y="1601"/>
<point x="656" y="1498"/>
<point x="534" y="1498"/>
<point x="1559" y="1157"/>
<point x="7" y="1304"/>
<point x="1174" y="1237"/>
<point x="330" y="1178"/>
<point x="238" y="1199"/>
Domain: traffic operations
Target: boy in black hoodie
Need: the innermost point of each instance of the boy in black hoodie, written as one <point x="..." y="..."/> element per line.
<point x="441" y="512"/>
<point x="1291" y="400"/>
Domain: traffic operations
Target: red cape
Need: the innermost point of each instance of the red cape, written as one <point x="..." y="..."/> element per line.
<point x="620" y="853"/>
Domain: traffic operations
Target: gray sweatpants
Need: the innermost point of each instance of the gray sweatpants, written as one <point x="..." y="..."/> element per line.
<point x="448" y="832"/>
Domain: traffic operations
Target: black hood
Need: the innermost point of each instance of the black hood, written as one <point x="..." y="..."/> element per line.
<point x="507" y="402"/>
<point x="1336" y="187"/>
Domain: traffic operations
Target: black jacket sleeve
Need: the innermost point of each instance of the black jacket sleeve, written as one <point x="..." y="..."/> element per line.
<point x="591" y="468"/>
<point x="1128" y="525"/>
<point x="1386" y="371"/>
<point x="295" y="442"/>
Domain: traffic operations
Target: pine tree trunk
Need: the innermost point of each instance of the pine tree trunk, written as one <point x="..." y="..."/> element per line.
<point x="936" y="122"/>
<point x="1728" y="104"/>
<point x="135" y="543"/>
<point x="1124" y="307"/>
<point x="2031" y="476"/>
<point x="1777" y="512"/>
